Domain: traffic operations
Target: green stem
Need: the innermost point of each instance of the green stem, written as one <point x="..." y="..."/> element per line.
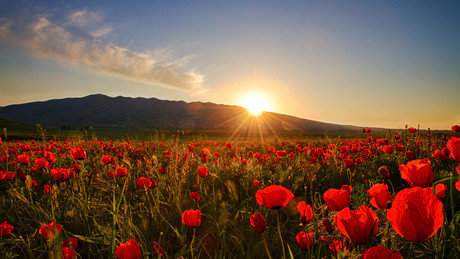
<point x="410" y="249"/>
<point x="452" y="206"/>
<point x="191" y="244"/>
<point x="266" y="246"/>
<point x="391" y="184"/>
<point x="279" y="232"/>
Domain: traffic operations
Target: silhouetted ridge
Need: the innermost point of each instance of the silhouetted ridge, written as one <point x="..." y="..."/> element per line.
<point x="150" y="113"/>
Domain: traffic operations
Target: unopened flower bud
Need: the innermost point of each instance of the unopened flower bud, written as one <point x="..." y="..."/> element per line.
<point x="383" y="170"/>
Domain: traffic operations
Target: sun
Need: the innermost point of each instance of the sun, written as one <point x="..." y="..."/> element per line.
<point x="255" y="103"/>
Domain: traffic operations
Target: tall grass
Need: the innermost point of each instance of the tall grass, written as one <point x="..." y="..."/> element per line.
<point x="101" y="212"/>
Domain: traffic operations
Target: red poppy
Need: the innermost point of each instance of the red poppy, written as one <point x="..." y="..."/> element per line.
<point x="454" y="147"/>
<point x="380" y="252"/>
<point x="68" y="253"/>
<point x="50" y="230"/>
<point x="23" y="159"/>
<point x="457" y="185"/>
<point x="438" y="154"/>
<point x="158" y="249"/>
<point x="60" y="174"/>
<point x="417" y="172"/>
<point x="6" y="175"/>
<point x="5" y="229"/>
<point x="349" y="162"/>
<point x="112" y="174"/>
<point x="258" y="222"/>
<point x="274" y="196"/>
<point x="412" y="130"/>
<point x="380" y="195"/>
<point x="68" y="242"/>
<point x="145" y="183"/>
<point x="46" y="188"/>
<point x="202" y="171"/>
<point x="280" y="153"/>
<point x="228" y="145"/>
<point x="360" y="225"/>
<point x="107" y="159"/>
<point x="78" y="153"/>
<point x="306" y="213"/>
<point x="128" y="250"/>
<point x="195" y="196"/>
<point x="305" y="240"/>
<point x="455" y="128"/>
<point x="255" y="183"/>
<point x="416" y="214"/>
<point x="76" y="167"/>
<point x="369" y="130"/>
<point x="388" y="149"/>
<point x="50" y="156"/>
<point x="162" y="169"/>
<point x="410" y="155"/>
<point x="121" y="171"/>
<point x="338" y="246"/>
<point x="191" y="218"/>
<point x="440" y="190"/>
<point x="337" y="199"/>
<point x="383" y="170"/>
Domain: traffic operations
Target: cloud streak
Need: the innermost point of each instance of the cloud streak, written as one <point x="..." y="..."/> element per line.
<point x="47" y="40"/>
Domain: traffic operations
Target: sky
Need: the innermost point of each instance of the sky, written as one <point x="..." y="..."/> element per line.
<point x="364" y="63"/>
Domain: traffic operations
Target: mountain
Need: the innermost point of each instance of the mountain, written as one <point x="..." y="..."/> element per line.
<point x="100" y="111"/>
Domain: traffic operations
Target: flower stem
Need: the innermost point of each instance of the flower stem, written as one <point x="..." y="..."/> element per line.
<point x="279" y="232"/>
<point x="452" y="206"/>
<point x="193" y="239"/>
<point x="266" y="246"/>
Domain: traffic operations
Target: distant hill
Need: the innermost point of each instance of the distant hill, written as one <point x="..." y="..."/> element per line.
<point x="100" y="111"/>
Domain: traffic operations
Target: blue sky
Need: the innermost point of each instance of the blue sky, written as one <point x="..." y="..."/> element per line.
<point x="365" y="63"/>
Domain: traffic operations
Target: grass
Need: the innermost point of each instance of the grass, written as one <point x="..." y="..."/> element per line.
<point x="102" y="212"/>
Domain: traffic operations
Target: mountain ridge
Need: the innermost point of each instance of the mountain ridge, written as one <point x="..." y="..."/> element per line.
<point x="98" y="110"/>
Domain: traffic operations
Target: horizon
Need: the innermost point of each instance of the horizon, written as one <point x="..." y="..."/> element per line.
<point x="384" y="64"/>
<point x="232" y="105"/>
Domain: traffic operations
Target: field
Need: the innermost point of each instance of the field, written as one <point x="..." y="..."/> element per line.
<point x="199" y="197"/>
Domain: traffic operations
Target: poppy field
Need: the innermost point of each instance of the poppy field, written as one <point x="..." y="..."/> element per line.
<point x="396" y="196"/>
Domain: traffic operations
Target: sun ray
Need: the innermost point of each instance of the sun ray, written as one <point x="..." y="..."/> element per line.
<point x="255" y="103"/>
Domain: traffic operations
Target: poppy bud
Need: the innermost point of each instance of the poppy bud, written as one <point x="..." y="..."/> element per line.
<point x="305" y="240"/>
<point x="328" y="226"/>
<point x="383" y="170"/>
<point x="195" y="196"/>
<point x="258" y="222"/>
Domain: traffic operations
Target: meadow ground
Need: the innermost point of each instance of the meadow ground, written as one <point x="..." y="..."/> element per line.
<point x="200" y="197"/>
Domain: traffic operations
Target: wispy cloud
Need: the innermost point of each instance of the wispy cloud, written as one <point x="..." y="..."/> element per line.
<point x="48" y="40"/>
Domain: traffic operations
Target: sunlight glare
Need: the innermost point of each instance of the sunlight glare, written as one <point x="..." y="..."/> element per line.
<point x="255" y="103"/>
